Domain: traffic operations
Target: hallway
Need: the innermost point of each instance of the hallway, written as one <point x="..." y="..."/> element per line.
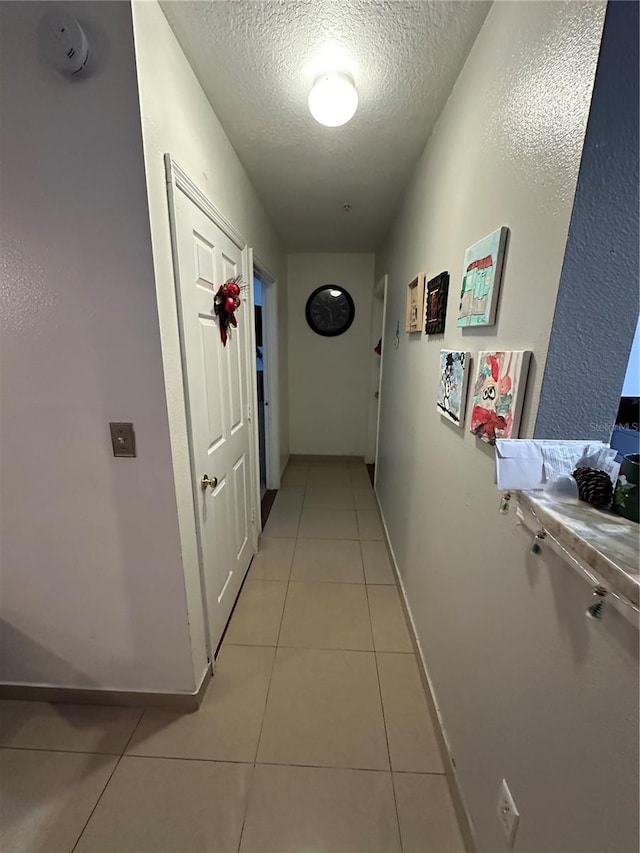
<point x="314" y="733"/>
<point x="456" y="156"/>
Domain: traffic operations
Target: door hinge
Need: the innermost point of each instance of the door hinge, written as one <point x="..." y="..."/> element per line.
<point x="253" y="515"/>
<point x="249" y="412"/>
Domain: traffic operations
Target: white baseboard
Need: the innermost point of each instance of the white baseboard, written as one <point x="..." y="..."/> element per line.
<point x="462" y="813"/>
<point x="326" y="457"/>
<point x="284" y="467"/>
<point x="96" y="696"/>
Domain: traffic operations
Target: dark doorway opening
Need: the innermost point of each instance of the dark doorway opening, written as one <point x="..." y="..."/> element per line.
<point x="260" y="358"/>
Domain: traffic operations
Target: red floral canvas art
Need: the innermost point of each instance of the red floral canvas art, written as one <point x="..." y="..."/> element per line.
<point x="498" y="394"/>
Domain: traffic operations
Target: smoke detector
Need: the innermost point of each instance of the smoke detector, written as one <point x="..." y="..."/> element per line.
<point x="63" y="42"/>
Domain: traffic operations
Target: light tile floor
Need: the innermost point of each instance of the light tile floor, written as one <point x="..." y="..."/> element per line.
<point x="314" y="734"/>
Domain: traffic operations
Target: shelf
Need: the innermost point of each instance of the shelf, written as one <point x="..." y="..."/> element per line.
<point x="608" y="543"/>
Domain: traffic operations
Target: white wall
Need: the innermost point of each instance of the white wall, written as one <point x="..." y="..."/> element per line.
<point x="92" y="587"/>
<point x="329" y="377"/>
<point x="527" y="687"/>
<point x="177" y="118"/>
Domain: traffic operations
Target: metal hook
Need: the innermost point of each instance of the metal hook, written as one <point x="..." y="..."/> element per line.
<point x="594" y="611"/>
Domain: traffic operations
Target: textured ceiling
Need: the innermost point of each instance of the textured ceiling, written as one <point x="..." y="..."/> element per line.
<point x="257" y="60"/>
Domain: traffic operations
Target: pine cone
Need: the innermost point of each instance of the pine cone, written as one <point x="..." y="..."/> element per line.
<point x="594" y="487"/>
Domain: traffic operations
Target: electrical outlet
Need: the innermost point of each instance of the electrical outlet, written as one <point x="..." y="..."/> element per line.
<point x="508" y="813"/>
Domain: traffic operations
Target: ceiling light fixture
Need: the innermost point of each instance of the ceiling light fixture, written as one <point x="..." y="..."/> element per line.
<point x="333" y="99"/>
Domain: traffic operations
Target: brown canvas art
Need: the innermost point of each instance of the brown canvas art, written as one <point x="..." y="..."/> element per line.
<point x="436" y="304"/>
<point x="415" y="304"/>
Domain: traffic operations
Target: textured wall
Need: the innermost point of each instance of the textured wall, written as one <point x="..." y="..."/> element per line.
<point x="527" y="687"/>
<point x="266" y="55"/>
<point x="177" y="118"/>
<point x="329" y="377"/>
<point x="597" y="308"/>
<point x="92" y="588"/>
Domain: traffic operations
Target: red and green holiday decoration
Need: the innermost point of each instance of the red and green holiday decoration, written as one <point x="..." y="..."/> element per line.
<point x="225" y="304"/>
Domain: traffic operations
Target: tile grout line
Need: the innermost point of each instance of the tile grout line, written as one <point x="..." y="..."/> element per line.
<point x="117" y="764"/>
<point x="191" y="758"/>
<point x="227" y="761"/>
<point x="135" y="729"/>
<point x="64" y="751"/>
<point x="299" y="522"/>
<point x="386" y="733"/>
<point x="349" y="767"/>
<point x="364" y="574"/>
<point x="370" y="651"/>
<point x="266" y="698"/>
<point x="340" y="583"/>
<point x="273" y="664"/>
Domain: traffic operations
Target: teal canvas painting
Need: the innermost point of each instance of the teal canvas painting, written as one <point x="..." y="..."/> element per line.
<point x="481" y="277"/>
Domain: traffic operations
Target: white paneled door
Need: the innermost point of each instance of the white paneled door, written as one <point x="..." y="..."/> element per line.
<point x="219" y="398"/>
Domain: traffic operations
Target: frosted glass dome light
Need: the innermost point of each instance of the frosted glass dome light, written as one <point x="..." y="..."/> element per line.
<point x="333" y="99"/>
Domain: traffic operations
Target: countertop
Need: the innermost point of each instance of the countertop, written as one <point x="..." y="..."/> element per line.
<point x="608" y="543"/>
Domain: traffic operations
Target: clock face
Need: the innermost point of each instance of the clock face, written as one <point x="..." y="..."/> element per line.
<point x="330" y="310"/>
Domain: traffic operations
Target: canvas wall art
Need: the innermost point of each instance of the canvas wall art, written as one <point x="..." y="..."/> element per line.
<point x="435" y="304"/>
<point x="415" y="304"/>
<point x="481" y="277"/>
<point x="498" y="394"/>
<point x="452" y="389"/>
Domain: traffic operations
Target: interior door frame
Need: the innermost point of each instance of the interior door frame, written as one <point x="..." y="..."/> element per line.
<point x="381" y="286"/>
<point x="178" y="179"/>
<point x="271" y="373"/>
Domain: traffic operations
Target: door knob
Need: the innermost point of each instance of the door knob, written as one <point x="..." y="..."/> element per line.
<point x="206" y="480"/>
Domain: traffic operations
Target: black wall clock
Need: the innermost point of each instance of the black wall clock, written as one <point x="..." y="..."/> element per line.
<point x="330" y="310"/>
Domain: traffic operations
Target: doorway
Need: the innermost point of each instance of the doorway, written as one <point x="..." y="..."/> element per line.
<point x="265" y="294"/>
<point x="376" y="355"/>
<point x="260" y="358"/>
